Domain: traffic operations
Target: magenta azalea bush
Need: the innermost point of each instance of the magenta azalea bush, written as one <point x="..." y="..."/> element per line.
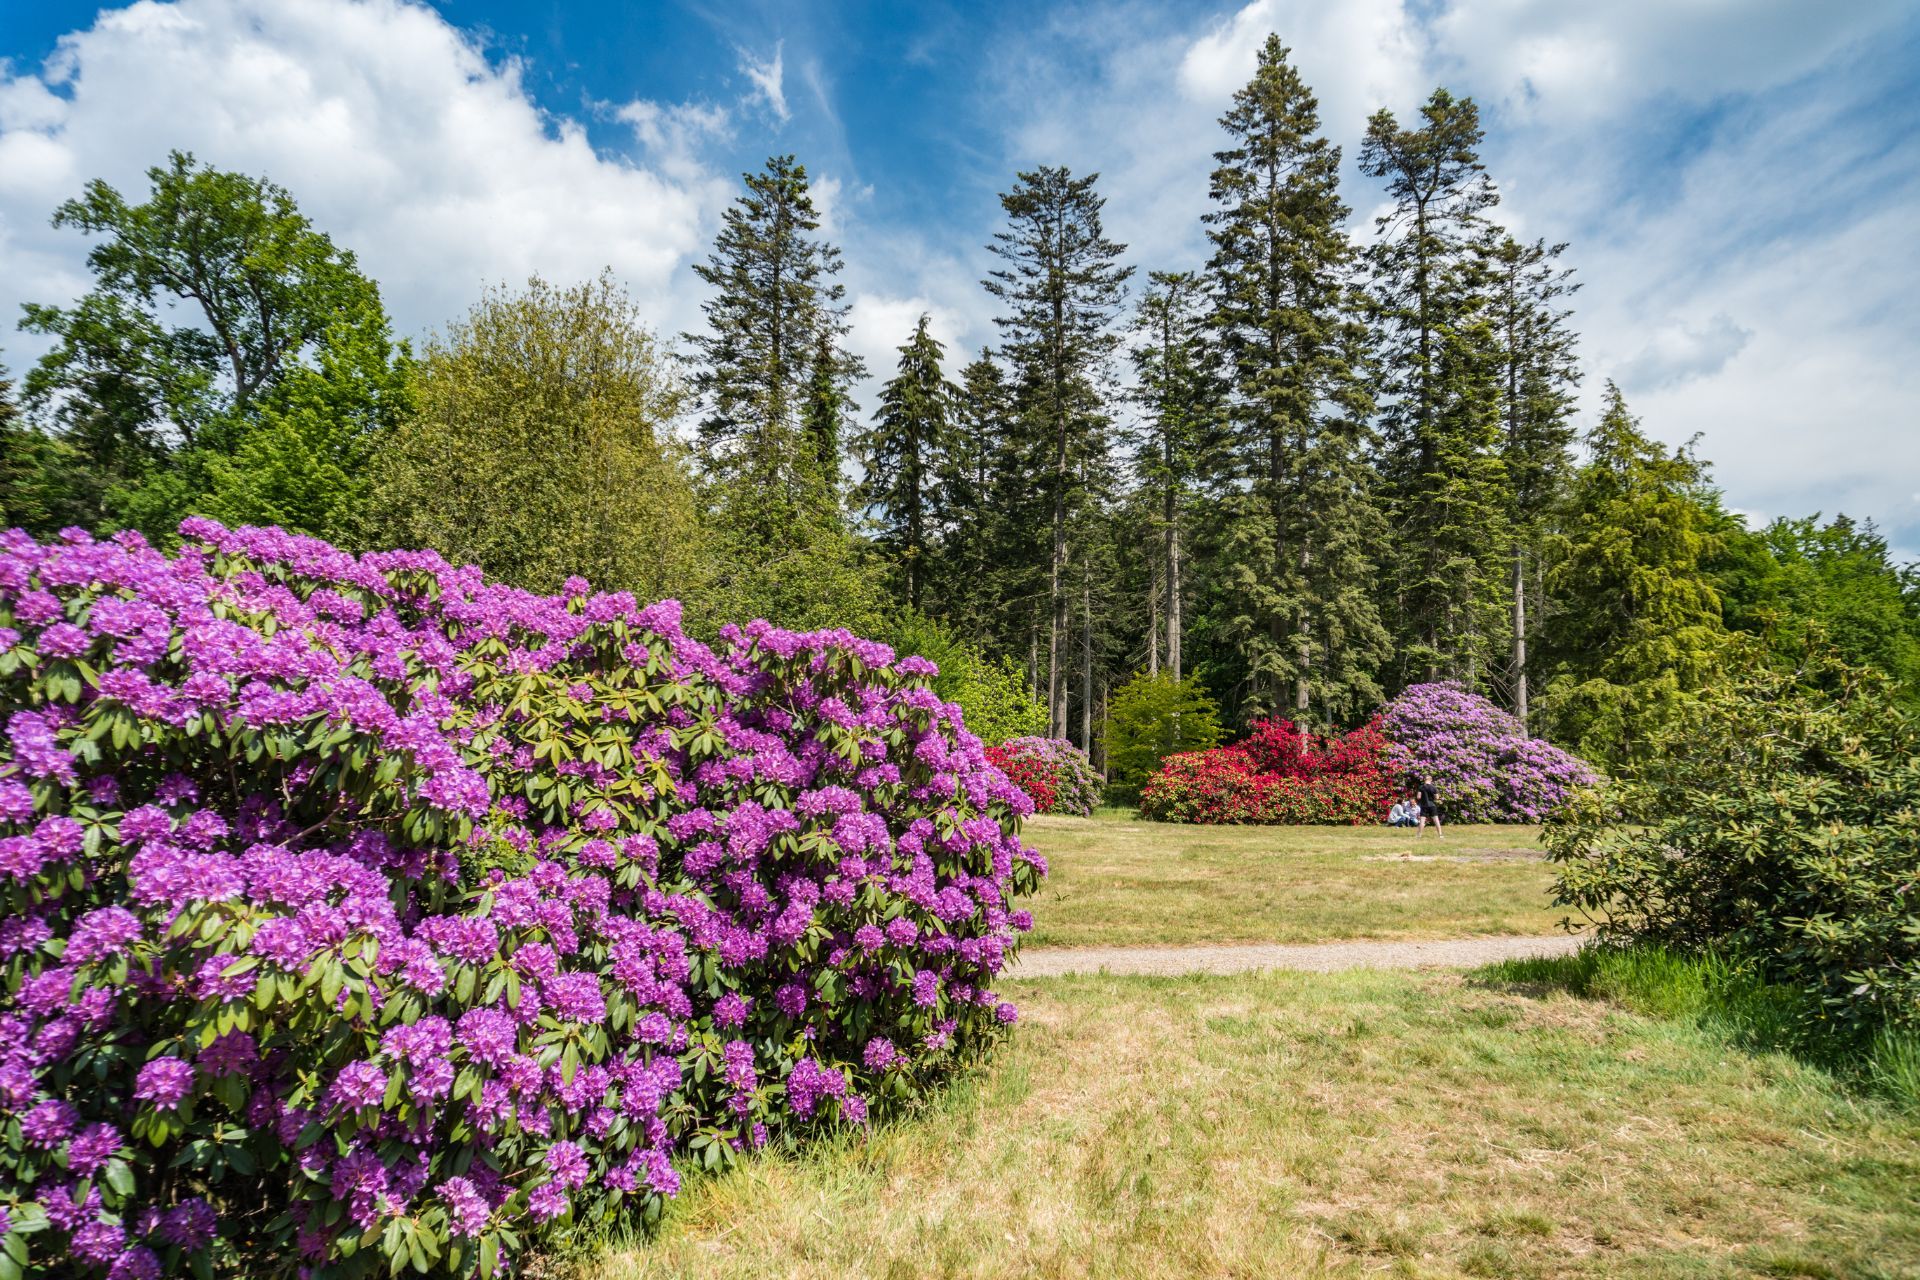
<point x="1066" y="775"/>
<point x="1480" y="761"/>
<point x="361" y="914"/>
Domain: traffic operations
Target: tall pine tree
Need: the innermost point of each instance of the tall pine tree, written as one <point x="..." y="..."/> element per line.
<point x="1440" y="378"/>
<point x="1061" y="283"/>
<point x="904" y="455"/>
<point x="773" y="378"/>
<point x="1180" y="398"/>
<point x="1301" y="526"/>
<point x="1538" y="371"/>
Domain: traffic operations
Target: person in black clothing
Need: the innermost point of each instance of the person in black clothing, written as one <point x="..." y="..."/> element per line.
<point x="1429" y="803"/>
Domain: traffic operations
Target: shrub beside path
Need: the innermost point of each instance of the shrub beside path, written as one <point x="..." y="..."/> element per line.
<point x="1319" y="957"/>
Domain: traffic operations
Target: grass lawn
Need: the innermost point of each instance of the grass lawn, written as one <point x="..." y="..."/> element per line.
<point x="1115" y="881"/>
<point x="1414" y="1124"/>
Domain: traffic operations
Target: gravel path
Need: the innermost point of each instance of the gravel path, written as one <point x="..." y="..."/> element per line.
<point x="1320" y="957"/>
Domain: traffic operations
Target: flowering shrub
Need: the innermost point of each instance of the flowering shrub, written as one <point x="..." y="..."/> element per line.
<point x="1482" y="765"/>
<point x="362" y="914"/>
<point x="1055" y="773"/>
<point x="1277" y="774"/>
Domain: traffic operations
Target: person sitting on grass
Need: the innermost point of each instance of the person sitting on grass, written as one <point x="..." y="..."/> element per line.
<point x="1429" y="805"/>
<point x="1404" y="812"/>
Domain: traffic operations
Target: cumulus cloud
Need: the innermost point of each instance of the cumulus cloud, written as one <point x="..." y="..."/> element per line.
<point x="393" y="130"/>
<point x="1680" y="352"/>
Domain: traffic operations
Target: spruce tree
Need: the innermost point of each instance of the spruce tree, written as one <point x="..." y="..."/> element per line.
<point x="1640" y="629"/>
<point x="904" y="455"/>
<point x="1061" y="284"/>
<point x="1181" y="400"/>
<point x="1538" y="371"/>
<point x="1301" y="525"/>
<point x="773" y="378"/>
<point x="1439" y="408"/>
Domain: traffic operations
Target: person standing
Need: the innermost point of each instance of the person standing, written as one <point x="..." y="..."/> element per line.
<point x="1429" y="803"/>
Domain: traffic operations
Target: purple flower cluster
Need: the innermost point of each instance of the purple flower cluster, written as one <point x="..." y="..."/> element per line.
<point x="429" y="904"/>
<point x="1480" y="761"/>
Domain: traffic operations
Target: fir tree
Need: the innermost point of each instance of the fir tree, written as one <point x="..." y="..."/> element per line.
<point x="1439" y="411"/>
<point x="1539" y="371"/>
<point x="1180" y="399"/>
<point x="773" y="376"/>
<point x="1640" y="628"/>
<point x="1301" y="525"/>
<point x="1062" y="284"/>
<point x="904" y="454"/>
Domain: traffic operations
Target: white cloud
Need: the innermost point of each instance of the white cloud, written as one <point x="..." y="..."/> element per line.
<point x="1357" y="56"/>
<point x="391" y="128"/>
<point x="1681" y="352"/>
<point x="768" y="79"/>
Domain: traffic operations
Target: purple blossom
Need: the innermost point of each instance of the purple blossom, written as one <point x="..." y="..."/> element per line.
<point x="164" y="1082"/>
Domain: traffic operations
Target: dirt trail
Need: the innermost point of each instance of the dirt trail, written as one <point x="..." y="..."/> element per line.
<point x="1318" y="957"/>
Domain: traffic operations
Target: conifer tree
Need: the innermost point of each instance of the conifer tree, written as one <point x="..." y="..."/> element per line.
<point x="1539" y="371"/>
<point x="904" y="456"/>
<point x="1181" y="400"/>
<point x="1640" y="630"/>
<point x="773" y="378"/>
<point x="1439" y="377"/>
<point x="1061" y="284"/>
<point x="1301" y="525"/>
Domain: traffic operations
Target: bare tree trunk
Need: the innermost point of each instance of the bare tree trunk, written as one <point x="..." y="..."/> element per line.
<point x="1033" y="661"/>
<point x="1303" y="657"/>
<point x="1086" y="664"/>
<point x="1173" y="602"/>
<point x="1153" y="626"/>
<point x="1057" y="631"/>
<point x="1520" y="636"/>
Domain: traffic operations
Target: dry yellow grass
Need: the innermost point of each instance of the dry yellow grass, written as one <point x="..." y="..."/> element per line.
<point x="1330" y="1125"/>
<point x="1118" y="882"/>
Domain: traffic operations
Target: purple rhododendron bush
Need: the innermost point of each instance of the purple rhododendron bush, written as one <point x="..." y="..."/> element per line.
<point x="362" y="914"/>
<point x="1482" y="764"/>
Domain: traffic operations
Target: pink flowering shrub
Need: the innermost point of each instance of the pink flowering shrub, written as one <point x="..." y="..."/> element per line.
<point x="1482" y="765"/>
<point x="362" y="915"/>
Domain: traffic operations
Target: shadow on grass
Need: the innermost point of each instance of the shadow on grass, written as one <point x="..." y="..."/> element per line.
<point x="1725" y="999"/>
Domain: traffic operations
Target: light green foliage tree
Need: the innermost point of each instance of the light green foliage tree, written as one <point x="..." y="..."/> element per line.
<point x="1640" y="632"/>
<point x="208" y="299"/>
<point x="1802" y="586"/>
<point x="904" y="455"/>
<point x="994" y="696"/>
<point x="540" y="448"/>
<point x="1149" y="718"/>
<point x="772" y="376"/>
<point x="1301" y="530"/>
<point x="1438" y="360"/>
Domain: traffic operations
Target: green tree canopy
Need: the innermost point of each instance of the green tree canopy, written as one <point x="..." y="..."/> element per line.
<point x="1150" y="718"/>
<point x="541" y="449"/>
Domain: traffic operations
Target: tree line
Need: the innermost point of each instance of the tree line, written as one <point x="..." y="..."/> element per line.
<point x="1298" y="476"/>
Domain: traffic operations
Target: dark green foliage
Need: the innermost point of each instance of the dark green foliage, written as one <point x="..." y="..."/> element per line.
<point x="261" y="402"/>
<point x="1150" y="718"/>
<point x="1301" y="526"/>
<point x="904" y="455"/>
<point x="1772" y="822"/>
<point x="993" y="696"/>
<point x="772" y="376"/>
<point x="1639" y="631"/>
<point x="1439" y="374"/>
<point x="1061" y="285"/>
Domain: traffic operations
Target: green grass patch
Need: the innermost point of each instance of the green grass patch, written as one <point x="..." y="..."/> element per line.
<point x="1118" y="881"/>
<point x="1727" y="999"/>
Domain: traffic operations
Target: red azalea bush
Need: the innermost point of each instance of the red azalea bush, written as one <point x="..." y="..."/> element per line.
<point x="1276" y="775"/>
<point x="359" y="915"/>
<point x="1026" y="771"/>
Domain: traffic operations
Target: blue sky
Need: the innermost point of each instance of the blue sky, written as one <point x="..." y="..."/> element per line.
<point x="1737" y="179"/>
